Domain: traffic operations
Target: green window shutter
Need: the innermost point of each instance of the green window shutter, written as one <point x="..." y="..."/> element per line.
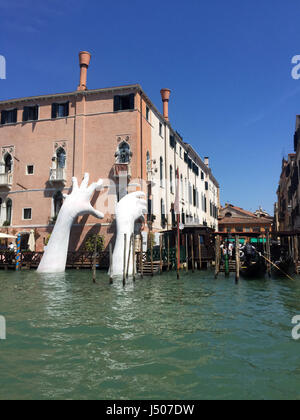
<point x="15" y="115"/>
<point x="3" y="117"/>
<point x="36" y="112"/>
<point x="25" y="113"/>
<point x="117" y="103"/>
<point x="131" y="101"/>
<point x="54" y="111"/>
<point x="67" y="107"/>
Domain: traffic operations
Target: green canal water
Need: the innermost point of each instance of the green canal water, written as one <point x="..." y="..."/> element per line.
<point x="157" y="338"/>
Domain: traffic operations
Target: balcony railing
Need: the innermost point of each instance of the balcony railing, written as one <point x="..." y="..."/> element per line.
<point x="57" y="175"/>
<point x="6" y="180"/>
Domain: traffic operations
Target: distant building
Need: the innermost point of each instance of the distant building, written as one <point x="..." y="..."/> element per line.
<point x="287" y="215"/>
<point x="114" y="133"/>
<point x="285" y="194"/>
<point x="236" y="220"/>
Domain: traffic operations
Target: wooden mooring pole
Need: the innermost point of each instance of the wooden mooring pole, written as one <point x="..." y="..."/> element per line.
<point x="168" y="253"/>
<point x="129" y="255"/>
<point x="141" y="257"/>
<point x="151" y="252"/>
<point x="95" y="260"/>
<point x="192" y="251"/>
<point x="237" y="258"/>
<point x="124" y="259"/>
<point x="110" y="264"/>
<point x="133" y="258"/>
<point x="296" y="253"/>
<point x="186" y="253"/>
<point x="160" y="255"/>
<point x="177" y="256"/>
<point x="199" y="252"/>
<point x="268" y="252"/>
<point x="217" y="256"/>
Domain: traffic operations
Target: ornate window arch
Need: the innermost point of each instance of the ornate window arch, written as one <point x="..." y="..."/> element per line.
<point x="7" y="163"/>
<point x="161" y="171"/>
<point x="123" y="153"/>
<point x="8" y="211"/>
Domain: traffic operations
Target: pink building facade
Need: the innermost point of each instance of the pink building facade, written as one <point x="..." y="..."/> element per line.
<point x="46" y="140"/>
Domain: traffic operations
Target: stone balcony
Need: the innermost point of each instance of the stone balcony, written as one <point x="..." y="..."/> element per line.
<point x="122" y="170"/>
<point x="6" y="180"/>
<point x="57" y="176"/>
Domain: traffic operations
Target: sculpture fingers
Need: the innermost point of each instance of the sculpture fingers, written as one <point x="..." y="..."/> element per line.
<point x="95" y="213"/>
<point x="74" y="183"/>
<point x="95" y="186"/>
<point x="85" y="181"/>
<point x="137" y="194"/>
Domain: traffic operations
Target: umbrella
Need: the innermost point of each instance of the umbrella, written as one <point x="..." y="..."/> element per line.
<point x="31" y="241"/>
<point x="5" y="236"/>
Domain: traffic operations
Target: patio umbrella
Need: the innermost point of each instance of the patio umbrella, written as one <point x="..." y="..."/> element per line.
<point x="31" y="241"/>
<point x="6" y="236"/>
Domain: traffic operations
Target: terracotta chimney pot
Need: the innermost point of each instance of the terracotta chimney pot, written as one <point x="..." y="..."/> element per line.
<point x="84" y="62"/>
<point x="165" y="96"/>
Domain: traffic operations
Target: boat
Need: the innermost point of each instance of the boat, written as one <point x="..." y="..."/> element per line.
<point x="253" y="265"/>
<point x="285" y="265"/>
<point x="282" y="259"/>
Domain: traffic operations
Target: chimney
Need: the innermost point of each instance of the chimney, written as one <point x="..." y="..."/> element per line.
<point x="165" y="96"/>
<point x="206" y="161"/>
<point x="84" y="61"/>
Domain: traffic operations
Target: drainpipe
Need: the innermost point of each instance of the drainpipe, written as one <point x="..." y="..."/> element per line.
<point x="166" y="177"/>
<point x="141" y="133"/>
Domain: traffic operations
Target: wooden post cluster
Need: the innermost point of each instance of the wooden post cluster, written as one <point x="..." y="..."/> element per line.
<point x="237" y="258"/>
<point x="199" y="252"/>
<point x="141" y="257"/>
<point x="268" y="251"/>
<point x="296" y="253"/>
<point x="217" y="255"/>
<point x="95" y="261"/>
<point x="192" y="253"/>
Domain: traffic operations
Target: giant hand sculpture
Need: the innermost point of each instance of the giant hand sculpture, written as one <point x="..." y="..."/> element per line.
<point x="76" y="204"/>
<point x="129" y="209"/>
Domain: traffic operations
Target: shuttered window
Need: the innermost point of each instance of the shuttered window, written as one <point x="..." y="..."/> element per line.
<point x="9" y="117"/>
<point x="123" y="102"/>
<point x="60" y="110"/>
<point x="30" y="113"/>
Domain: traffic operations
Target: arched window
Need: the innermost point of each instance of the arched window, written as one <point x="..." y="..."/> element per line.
<point x="161" y="171"/>
<point x="171" y="179"/>
<point x="173" y="217"/>
<point x="123" y="153"/>
<point x="61" y="158"/>
<point x="228" y="214"/>
<point x="181" y="186"/>
<point x="182" y="217"/>
<point x="8" y="163"/>
<point x="57" y="202"/>
<point x="8" y="211"/>
<point x="163" y="213"/>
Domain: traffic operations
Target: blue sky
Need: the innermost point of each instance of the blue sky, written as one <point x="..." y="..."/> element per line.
<point x="228" y="64"/>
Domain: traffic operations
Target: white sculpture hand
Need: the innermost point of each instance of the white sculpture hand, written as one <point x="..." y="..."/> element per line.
<point x="129" y="209"/>
<point x="76" y="204"/>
